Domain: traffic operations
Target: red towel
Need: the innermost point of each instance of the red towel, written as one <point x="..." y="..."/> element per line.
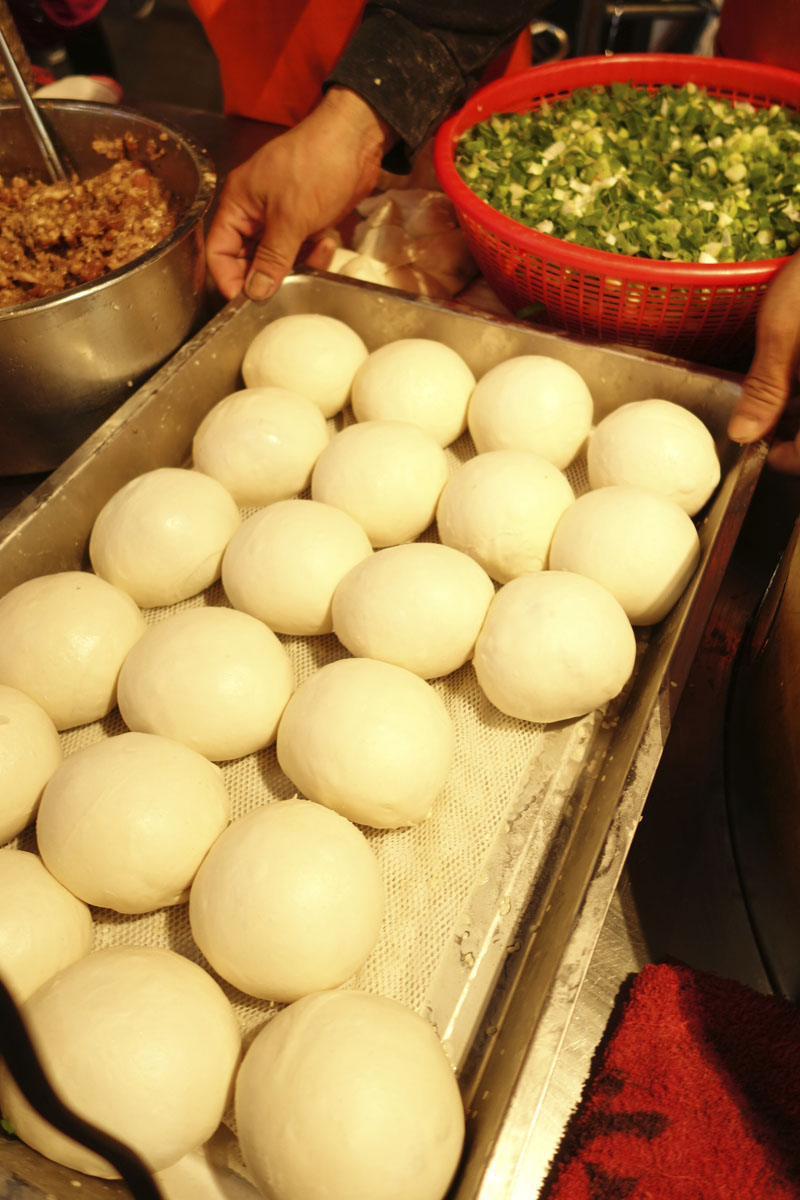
<point x="695" y="1095"/>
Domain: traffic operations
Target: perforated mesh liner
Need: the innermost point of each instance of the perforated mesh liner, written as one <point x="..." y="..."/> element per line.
<point x="429" y="870"/>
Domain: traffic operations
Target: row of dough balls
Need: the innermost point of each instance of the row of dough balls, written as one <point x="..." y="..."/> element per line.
<point x="123" y="817"/>
<point x="640" y="546"/>
<point x="527" y="416"/>
<point x="528" y="402"/>
<point x="144" y="1044"/>
<point x="139" y="820"/>
<point x="118" y="821"/>
<point x="262" y="442"/>
<point x="286" y="900"/>
<point x="126" y="822"/>
<point x="220" y="682"/>
<point x="501" y="507"/>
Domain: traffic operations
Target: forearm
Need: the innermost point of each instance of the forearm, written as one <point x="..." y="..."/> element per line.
<point x="415" y="62"/>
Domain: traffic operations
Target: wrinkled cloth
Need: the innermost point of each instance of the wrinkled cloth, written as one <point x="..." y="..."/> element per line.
<point x="695" y="1095"/>
<point x="415" y="62"/>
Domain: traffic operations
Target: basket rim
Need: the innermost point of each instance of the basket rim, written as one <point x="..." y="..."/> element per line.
<point x="514" y="93"/>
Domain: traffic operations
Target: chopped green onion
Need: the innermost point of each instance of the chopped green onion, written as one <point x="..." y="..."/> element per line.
<point x="674" y="173"/>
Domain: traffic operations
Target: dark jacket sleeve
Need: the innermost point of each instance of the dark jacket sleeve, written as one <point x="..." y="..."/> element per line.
<point x="416" y="61"/>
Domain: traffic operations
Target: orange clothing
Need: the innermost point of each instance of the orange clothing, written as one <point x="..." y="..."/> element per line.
<point x="273" y="57"/>
<point x="767" y="33"/>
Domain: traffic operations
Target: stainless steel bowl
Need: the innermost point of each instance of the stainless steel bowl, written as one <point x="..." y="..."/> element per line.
<point x="67" y="361"/>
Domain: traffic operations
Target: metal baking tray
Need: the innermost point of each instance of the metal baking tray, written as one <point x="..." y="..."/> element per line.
<point x="510" y="972"/>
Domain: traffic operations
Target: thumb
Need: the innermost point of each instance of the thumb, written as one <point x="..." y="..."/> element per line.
<point x="768" y="383"/>
<point x="765" y="390"/>
<point x="273" y="259"/>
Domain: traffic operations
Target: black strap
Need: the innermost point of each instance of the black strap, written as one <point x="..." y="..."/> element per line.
<point x="17" y="1050"/>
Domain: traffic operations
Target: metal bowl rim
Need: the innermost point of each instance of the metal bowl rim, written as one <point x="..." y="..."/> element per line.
<point x="206" y="185"/>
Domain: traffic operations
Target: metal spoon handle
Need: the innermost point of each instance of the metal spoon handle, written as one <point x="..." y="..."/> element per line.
<point x="32" y="115"/>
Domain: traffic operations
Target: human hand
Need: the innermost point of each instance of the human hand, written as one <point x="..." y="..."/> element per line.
<point x="291" y="189"/>
<point x="774" y="369"/>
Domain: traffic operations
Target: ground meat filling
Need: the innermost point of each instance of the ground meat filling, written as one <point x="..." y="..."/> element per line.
<point x="54" y="236"/>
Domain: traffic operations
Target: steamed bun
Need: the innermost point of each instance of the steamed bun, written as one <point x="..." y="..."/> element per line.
<point x="137" y="1040"/>
<point x="417" y="380"/>
<point x="43" y="927"/>
<point x="161" y="537"/>
<point x="368" y="739"/>
<point x="261" y="443"/>
<point x="308" y="353"/>
<point x="30" y="751"/>
<point x="126" y="822"/>
<point x="388" y="475"/>
<point x="420" y="606"/>
<point x="63" y="640"/>
<point x="288" y="900"/>
<point x="213" y="678"/>
<point x="554" y="645"/>
<point x="501" y="508"/>
<point x="380" y="1068"/>
<point x="285" y="563"/>
<point x="658" y="445"/>
<point x="531" y="402"/>
<point x="640" y="545"/>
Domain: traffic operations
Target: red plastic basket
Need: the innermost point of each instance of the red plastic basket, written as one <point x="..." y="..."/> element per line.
<point x="692" y="310"/>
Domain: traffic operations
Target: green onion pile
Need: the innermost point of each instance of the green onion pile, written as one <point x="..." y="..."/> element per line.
<point x="676" y="174"/>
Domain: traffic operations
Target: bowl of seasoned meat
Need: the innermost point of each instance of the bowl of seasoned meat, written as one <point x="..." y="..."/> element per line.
<point x="101" y="277"/>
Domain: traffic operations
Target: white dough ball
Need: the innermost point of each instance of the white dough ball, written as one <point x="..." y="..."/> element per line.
<point x="502" y="508"/>
<point x="213" y="678"/>
<point x="640" y="545"/>
<point x="531" y="402"/>
<point x="43" y="927"/>
<point x="554" y="645"/>
<point x="417" y="380"/>
<point x="658" y="445"/>
<point x="284" y="564"/>
<point x="137" y="1040"/>
<point x="288" y="901"/>
<point x="388" y="475"/>
<point x="308" y="353"/>
<point x="368" y="739"/>
<point x="261" y="443"/>
<point x="420" y="606"/>
<point x="63" y="639"/>
<point x="30" y="751"/>
<point x="365" y="1087"/>
<point x="161" y="537"/>
<point x="126" y="822"/>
